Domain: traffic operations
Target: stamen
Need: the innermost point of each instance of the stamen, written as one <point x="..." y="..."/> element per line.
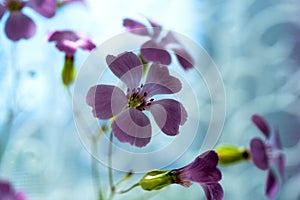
<point x="151" y="100"/>
<point x="148" y="104"/>
<point x="145" y="94"/>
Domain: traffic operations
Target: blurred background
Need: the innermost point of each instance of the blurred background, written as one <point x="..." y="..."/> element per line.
<point x="255" y="45"/>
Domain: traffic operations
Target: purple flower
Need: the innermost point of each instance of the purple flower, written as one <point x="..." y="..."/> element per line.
<point x="204" y="171"/>
<point x="7" y="192"/>
<point x="69" y="42"/>
<point x="156" y="49"/>
<point x="19" y="25"/>
<point x="268" y="155"/>
<point x="130" y="123"/>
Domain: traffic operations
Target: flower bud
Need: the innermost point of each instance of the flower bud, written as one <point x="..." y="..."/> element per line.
<point x="68" y="72"/>
<point x="155" y="180"/>
<point x="229" y="154"/>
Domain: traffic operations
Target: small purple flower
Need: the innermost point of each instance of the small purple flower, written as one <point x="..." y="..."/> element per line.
<point x="204" y="171"/>
<point x="69" y="42"/>
<point x="7" y="192"/>
<point x="268" y="155"/>
<point x="130" y="123"/>
<point x="19" y="25"/>
<point x="156" y="49"/>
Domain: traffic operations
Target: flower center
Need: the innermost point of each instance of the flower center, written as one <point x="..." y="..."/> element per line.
<point x="138" y="99"/>
<point x="14" y="5"/>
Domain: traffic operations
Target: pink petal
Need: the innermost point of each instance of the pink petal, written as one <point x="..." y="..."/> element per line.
<point x="132" y="126"/>
<point x="259" y="154"/>
<point x="271" y="184"/>
<point x="20" y="196"/>
<point x="169" y="114"/>
<point x="68" y="47"/>
<point x="153" y="52"/>
<point x="261" y="123"/>
<point x="69" y="41"/>
<point x="2" y="10"/>
<point x="156" y="28"/>
<point x="86" y="44"/>
<point x="128" y="67"/>
<point x="184" y="58"/>
<point x="19" y="26"/>
<point x="213" y="191"/>
<point x="275" y="141"/>
<point x="159" y="81"/>
<point x="169" y="39"/>
<point x="135" y="27"/>
<point x="203" y="169"/>
<point x="58" y="36"/>
<point x="279" y="162"/>
<point x="106" y="100"/>
<point x="45" y="8"/>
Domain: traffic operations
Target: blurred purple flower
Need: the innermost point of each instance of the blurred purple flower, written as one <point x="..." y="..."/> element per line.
<point x="69" y="42"/>
<point x="7" y="192"/>
<point x="268" y="155"/>
<point x="156" y="49"/>
<point x="130" y="124"/>
<point x="204" y="171"/>
<point x="19" y="25"/>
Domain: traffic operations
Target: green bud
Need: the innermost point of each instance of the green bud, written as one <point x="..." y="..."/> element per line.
<point x="156" y="180"/>
<point x="229" y="154"/>
<point x="68" y="72"/>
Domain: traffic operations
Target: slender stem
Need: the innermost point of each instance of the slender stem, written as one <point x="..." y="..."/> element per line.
<point x="94" y="164"/>
<point x="5" y="135"/>
<point x="13" y="109"/>
<point x="124" y="191"/>
<point x="95" y="174"/>
<point x="110" y="174"/>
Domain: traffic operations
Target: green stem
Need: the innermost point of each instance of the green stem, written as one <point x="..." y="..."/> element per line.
<point x="13" y="107"/>
<point x="95" y="174"/>
<point x="110" y="174"/>
<point x="124" y="191"/>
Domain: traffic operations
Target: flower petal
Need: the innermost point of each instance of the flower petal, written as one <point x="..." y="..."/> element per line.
<point x="259" y="154"/>
<point x="86" y="44"/>
<point x="169" y="114"/>
<point x="69" y="41"/>
<point x="153" y="52"/>
<point x="213" y="191"/>
<point x="58" y="36"/>
<point x="135" y="27"/>
<point x="261" y="124"/>
<point x="132" y="126"/>
<point x="8" y="192"/>
<point x="271" y="184"/>
<point x="184" y="58"/>
<point x="106" y="100"/>
<point x="156" y="28"/>
<point x="68" y="47"/>
<point x="203" y="169"/>
<point x="45" y="8"/>
<point x="19" y="26"/>
<point x="2" y="10"/>
<point x="159" y="81"/>
<point x="275" y="141"/>
<point x="279" y="162"/>
<point x="128" y="67"/>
